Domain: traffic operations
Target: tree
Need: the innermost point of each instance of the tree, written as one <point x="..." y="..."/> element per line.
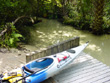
<point x="11" y="11"/>
<point x="98" y="17"/>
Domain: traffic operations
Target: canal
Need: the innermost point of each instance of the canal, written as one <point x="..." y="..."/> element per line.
<point x="49" y="32"/>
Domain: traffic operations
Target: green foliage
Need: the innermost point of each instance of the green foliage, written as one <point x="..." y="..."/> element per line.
<point x="12" y="42"/>
<point x="106" y="22"/>
<point x="48" y="8"/>
<point x="68" y="20"/>
<point x="11" y="37"/>
<point x="79" y="13"/>
<point x="106" y="17"/>
<point x="11" y="9"/>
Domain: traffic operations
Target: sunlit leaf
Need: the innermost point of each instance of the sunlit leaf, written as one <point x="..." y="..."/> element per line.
<point x="11" y="40"/>
<point x="16" y="35"/>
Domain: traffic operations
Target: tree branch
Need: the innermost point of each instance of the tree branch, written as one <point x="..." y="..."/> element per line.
<point x="14" y="22"/>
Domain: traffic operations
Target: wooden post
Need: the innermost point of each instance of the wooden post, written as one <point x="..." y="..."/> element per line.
<point x="48" y="51"/>
<point x="28" y="58"/>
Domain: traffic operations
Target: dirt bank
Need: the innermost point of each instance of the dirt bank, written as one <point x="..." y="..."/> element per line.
<point x="11" y="59"/>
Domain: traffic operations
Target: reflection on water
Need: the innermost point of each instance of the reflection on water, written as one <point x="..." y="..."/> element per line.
<point x="49" y="32"/>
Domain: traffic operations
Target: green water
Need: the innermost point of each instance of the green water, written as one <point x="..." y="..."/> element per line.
<point x="49" y="32"/>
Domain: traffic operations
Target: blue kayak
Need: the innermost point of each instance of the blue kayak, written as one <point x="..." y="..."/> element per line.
<point x="41" y="69"/>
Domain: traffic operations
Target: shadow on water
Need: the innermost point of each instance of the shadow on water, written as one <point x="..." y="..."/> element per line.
<point x="49" y="32"/>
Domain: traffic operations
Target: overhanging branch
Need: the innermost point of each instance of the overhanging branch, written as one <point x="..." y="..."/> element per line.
<point x="14" y="22"/>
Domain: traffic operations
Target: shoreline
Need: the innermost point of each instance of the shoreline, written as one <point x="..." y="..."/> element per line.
<point x="14" y="58"/>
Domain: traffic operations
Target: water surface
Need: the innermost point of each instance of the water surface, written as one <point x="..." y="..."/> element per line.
<point x="49" y="32"/>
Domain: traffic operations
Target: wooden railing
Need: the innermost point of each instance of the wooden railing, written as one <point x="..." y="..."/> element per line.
<point x="53" y="49"/>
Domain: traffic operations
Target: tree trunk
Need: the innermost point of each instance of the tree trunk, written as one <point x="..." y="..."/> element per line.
<point x="98" y="17"/>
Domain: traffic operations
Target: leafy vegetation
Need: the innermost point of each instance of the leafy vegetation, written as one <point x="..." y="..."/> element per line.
<point x="92" y="15"/>
<point x="11" y="38"/>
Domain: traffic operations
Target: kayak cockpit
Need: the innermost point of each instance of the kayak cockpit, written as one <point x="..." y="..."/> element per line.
<point x="71" y="51"/>
<point x="38" y="65"/>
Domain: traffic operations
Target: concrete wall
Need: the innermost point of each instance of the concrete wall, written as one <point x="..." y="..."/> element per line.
<point x="73" y="42"/>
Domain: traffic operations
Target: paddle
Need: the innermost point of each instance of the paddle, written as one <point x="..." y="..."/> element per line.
<point x="32" y="72"/>
<point x="1" y="75"/>
<point x="23" y="78"/>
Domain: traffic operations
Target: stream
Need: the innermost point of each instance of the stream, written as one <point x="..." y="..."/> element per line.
<point x="49" y="32"/>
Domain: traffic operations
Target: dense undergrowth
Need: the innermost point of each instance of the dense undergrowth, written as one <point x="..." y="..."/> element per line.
<point x="92" y="15"/>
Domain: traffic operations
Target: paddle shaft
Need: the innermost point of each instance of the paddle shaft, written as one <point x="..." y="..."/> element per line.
<point x="23" y="78"/>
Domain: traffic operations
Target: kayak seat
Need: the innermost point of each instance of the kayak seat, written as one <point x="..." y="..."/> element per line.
<point x="27" y="69"/>
<point x="35" y="69"/>
<point x="31" y="70"/>
<point x="38" y="65"/>
<point x="41" y="63"/>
